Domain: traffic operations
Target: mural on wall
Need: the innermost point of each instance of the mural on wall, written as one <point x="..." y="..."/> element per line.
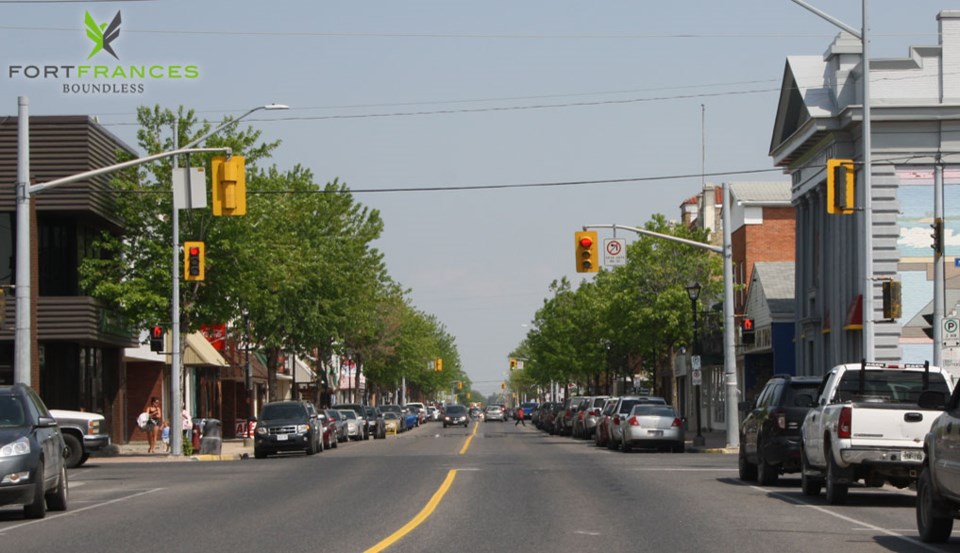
<point x="915" y="194"/>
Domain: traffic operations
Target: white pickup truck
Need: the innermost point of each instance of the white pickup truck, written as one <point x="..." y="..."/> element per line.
<point x="868" y="426"/>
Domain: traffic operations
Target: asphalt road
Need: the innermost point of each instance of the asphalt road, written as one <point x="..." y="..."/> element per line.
<point x="513" y="489"/>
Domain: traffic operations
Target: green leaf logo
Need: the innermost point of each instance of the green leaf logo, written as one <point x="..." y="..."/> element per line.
<point x="102" y="35"/>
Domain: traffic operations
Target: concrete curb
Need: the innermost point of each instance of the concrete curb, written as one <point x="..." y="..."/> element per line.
<point x="233" y="457"/>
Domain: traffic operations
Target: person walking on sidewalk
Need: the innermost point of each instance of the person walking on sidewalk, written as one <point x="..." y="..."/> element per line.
<point x="519" y="417"/>
<point x="153" y="424"/>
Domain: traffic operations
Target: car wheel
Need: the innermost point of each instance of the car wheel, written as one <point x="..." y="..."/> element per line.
<point x="836" y="492"/>
<point x="335" y="443"/>
<point x="73" y="454"/>
<point x="934" y="523"/>
<point x="259" y="454"/>
<point x="809" y="484"/>
<point x="767" y="474"/>
<point x="57" y="498"/>
<point x="37" y="509"/>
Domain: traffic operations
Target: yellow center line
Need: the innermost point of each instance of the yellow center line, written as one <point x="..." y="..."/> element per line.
<point x="466" y="445"/>
<point x="421" y="516"/>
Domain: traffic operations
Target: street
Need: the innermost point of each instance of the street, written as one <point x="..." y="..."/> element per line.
<point x="514" y="488"/>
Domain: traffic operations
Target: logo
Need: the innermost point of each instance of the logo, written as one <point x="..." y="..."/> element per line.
<point x="102" y="35"/>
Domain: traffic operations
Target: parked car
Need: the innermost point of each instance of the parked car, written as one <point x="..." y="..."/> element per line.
<point x="391" y="422"/>
<point x="341" y="423"/>
<point x="360" y="410"/>
<point x="588" y="411"/>
<point x="31" y="454"/>
<point x="938" y="488"/>
<point x="652" y="426"/>
<point x="528" y="408"/>
<point x="494" y="413"/>
<point x="537" y="417"/>
<point x="375" y="426"/>
<point x="770" y="431"/>
<point x="620" y="413"/>
<point x="602" y="432"/>
<point x="433" y="414"/>
<point x="455" y="415"/>
<point x="287" y="426"/>
<point x="567" y="415"/>
<point x="356" y="426"/>
<point x="82" y="433"/>
<point x="331" y="433"/>
<point x="410" y="418"/>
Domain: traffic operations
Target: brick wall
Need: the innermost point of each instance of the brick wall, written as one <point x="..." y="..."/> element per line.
<point x="774" y="240"/>
<point x="144" y="380"/>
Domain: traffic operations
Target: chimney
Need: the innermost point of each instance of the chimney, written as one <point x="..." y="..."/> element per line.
<point x="949" y="23"/>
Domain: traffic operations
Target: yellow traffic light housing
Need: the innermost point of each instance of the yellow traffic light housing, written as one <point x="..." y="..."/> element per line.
<point x="459" y="385"/>
<point x="193" y="261"/>
<point x="229" y="185"/>
<point x="438" y="364"/>
<point x="840" y="186"/>
<point x="586" y="246"/>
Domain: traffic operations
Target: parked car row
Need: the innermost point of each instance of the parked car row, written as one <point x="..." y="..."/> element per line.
<point x="299" y="426"/>
<point x="624" y="423"/>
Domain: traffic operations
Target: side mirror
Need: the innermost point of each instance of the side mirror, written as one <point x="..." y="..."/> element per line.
<point x="46" y="422"/>
<point x="931" y="399"/>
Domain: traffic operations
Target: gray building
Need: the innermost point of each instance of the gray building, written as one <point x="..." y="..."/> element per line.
<point x="915" y="104"/>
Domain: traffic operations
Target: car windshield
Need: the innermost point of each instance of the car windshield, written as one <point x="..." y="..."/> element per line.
<point x="455" y="410"/>
<point x="11" y="412"/>
<point x="390" y="408"/>
<point x="653" y="411"/>
<point x="390" y="415"/>
<point x="349" y="414"/>
<point x="335" y="415"/>
<point x="276" y="411"/>
<point x="492" y="409"/>
<point x="887" y="386"/>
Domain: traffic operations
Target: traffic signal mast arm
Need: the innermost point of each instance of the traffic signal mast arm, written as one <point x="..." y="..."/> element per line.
<point x="716" y="249"/>
<point x="35" y="188"/>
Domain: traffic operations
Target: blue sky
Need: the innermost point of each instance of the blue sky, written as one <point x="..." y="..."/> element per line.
<point x="391" y="94"/>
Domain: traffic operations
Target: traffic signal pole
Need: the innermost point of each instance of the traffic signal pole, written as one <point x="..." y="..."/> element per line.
<point x="729" y="345"/>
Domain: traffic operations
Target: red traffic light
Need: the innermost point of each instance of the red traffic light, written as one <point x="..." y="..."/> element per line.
<point x="586" y="242"/>
<point x="194" y="250"/>
<point x="157" y="332"/>
<point x="748" y="324"/>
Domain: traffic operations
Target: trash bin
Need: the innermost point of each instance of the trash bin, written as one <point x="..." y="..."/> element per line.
<point x="211" y="441"/>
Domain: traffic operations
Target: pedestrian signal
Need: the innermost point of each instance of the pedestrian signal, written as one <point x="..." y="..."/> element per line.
<point x="156" y="339"/>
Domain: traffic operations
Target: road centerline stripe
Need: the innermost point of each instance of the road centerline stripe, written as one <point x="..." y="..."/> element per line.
<point x="466" y="445"/>
<point x="421" y="516"/>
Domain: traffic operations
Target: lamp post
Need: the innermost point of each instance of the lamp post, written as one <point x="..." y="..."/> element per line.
<point x="176" y="443"/>
<point x="693" y="291"/>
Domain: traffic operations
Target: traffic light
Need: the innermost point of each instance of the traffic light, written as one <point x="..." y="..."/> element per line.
<point x="892" y="300"/>
<point x="840" y="186"/>
<point x="193" y="261"/>
<point x="503" y="385"/>
<point x="438" y="364"/>
<point x="748" y="335"/>
<point x="229" y="185"/>
<point x="586" y="246"/>
<point x="459" y="385"/>
<point x="156" y="339"/>
<point x="513" y="364"/>
<point x="937" y="236"/>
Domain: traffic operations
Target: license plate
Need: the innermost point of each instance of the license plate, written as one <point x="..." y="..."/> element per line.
<point x="281" y="437"/>
<point x="912" y="455"/>
<point x="656" y="432"/>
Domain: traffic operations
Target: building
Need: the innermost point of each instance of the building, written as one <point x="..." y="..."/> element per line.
<point x="914" y="120"/>
<point x="78" y="356"/>
<point x="770" y="305"/>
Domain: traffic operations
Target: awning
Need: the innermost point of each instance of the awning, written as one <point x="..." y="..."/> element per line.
<point x="304" y="373"/>
<point x="854" y="319"/>
<point x="199" y="352"/>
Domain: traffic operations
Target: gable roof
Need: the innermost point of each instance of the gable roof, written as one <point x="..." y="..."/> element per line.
<point x="776" y="279"/>
<point x="761" y="193"/>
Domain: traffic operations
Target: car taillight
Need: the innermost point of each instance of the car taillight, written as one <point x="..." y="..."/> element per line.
<point x="567" y="414"/>
<point x="780" y="418"/>
<point x="595" y="412"/>
<point x="845" y="423"/>
<point x="676" y="422"/>
<point x="616" y="420"/>
<point x="632" y="421"/>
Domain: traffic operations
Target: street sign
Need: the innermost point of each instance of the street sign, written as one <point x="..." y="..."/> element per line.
<point x="614" y="251"/>
<point x="696" y="375"/>
<point x="951" y="331"/>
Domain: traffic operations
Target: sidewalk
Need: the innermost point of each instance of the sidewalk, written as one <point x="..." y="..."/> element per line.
<point x="136" y="452"/>
<point x="714" y="442"/>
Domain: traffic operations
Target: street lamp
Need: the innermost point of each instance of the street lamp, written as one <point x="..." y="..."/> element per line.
<point x="693" y="291"/>
<point x="176" y="443"/>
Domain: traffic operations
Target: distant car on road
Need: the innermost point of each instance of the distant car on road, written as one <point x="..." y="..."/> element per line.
<point x="494" y="413"/>
<point x="31" y="454"/>
<point x="83" y="432"/>
<point x="455" y="415"/>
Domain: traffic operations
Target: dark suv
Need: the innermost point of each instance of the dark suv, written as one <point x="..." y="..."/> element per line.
<point x="31" y="454"/>
<point x="287" y="426"/>
<point x="770" y="431"/>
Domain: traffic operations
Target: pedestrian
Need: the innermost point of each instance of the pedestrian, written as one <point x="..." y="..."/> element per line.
<point x="153" y="424"/>
<point x="186" y="424"/>
<point x="519" y="417"/>
<point x="165" y="436"/>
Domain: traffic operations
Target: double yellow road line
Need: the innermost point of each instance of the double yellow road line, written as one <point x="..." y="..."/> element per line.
<point x="429" y="508"/>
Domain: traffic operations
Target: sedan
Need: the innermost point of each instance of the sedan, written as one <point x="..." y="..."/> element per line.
<point x="331" y="432"/>
<point x="341" y="423"/>
<point x="494" y="413"/>
<point x="356" y="427"/>
<point x="391" y="422"/>
<point x="455" y="415"/>
<point x="32" y="469"/>
<point x="652" y="426"/>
